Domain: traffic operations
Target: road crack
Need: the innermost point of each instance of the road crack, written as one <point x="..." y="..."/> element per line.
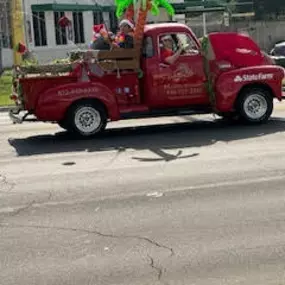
<point x="18" y="210"/>
<point x="156" y="268"/>
<point x="4" y="182"/>
<point x="98" y="233"/>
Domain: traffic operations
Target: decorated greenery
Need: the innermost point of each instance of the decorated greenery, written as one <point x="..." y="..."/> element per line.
<point x="20" y="48"/>
<point x="209" y="82"/>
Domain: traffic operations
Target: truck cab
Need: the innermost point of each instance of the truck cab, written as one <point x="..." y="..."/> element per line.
<point x="181" y="84"/>
<point x="225" y="73"/>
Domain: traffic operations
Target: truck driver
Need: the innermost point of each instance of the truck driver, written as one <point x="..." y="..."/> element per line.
<point x="167" y="54"/>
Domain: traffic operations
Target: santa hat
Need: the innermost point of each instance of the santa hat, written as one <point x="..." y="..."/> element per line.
<point x="166" y="37"/>
<point x="127" y="22"/>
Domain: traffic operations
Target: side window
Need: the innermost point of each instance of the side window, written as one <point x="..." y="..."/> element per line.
<point x="148" y="50"/>
<point x="171" y="42"/>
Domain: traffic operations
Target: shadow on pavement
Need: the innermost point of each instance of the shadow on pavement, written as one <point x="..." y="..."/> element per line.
<point x="154" y="138"/>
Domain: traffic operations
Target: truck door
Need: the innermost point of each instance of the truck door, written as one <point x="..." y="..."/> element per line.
<point x="183" y="82"/>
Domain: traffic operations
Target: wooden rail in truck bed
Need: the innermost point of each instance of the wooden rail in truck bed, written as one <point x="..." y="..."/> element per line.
<point x="108" y="60"/>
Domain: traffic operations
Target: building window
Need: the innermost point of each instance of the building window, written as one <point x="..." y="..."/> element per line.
<point x="5" y="24"/>
<point x="78" y="27"/>
<point x="113" y="22"/>
<point x="39" y="26"/>
<point x="60" y="32"/>
<point x="97" y="18"/>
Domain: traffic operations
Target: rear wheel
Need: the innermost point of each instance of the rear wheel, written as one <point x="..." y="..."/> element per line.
<point x="87" y="119"/>
<point x="255" y="105"/>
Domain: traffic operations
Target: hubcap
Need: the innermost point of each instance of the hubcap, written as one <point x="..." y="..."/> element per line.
<point x="87" y="120"/>
<point x="255" y="106"/>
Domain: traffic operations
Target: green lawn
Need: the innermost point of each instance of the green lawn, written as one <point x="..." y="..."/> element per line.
<point x="5" y="89"/>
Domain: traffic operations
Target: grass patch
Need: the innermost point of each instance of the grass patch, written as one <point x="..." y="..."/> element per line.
<point x="5" y="88"/>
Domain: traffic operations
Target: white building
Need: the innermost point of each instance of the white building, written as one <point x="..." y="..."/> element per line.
<point x="48" y="40"/>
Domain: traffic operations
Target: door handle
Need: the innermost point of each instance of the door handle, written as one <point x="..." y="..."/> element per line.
<point x="163" y="65"/>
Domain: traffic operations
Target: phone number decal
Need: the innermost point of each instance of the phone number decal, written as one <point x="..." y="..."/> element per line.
<point x="77" y="91"/>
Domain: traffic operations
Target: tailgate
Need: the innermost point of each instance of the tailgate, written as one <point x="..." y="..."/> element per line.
<point x="32" y="87"/>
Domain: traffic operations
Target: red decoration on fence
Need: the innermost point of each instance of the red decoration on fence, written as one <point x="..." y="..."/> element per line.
<point x="64" y="22"/>
<point x="21" y="48"/>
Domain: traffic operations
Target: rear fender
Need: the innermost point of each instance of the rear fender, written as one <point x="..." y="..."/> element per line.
<point x="53" y="104"/>
<point x="229" y="84"/>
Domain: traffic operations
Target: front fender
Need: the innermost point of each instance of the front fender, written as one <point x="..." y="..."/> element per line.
<point x="229" y="84"/>
<point x="53" y="104"/>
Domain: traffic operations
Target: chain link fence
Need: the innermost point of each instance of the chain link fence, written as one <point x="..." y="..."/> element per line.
<point x="265" y="32"/>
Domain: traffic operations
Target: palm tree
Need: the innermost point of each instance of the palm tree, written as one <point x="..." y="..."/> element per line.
<point x="130" y="12"/>
<point x="144" y="7"/>
<point x="122" y="5"/>
<point x="161" y="3"/>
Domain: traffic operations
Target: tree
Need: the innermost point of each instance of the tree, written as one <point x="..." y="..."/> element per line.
<point x="144" y="6"/>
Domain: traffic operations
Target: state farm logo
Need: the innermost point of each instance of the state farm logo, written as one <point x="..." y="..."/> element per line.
<point x="183" y="70"/>
<point x="253" y="77"/>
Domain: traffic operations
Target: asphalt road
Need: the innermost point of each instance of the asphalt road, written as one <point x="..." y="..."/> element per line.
<point x="199" y="202"/>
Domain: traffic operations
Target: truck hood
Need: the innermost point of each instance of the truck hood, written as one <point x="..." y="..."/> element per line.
<point x="237" y="49"/>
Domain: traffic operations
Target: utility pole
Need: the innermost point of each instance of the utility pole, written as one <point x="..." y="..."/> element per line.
<point x="1" y="64"/>
<point x="204" y="20"/>
<point x="18" y="33"/>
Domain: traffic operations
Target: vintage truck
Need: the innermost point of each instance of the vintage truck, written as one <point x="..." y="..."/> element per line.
<point x="225" y="73"/>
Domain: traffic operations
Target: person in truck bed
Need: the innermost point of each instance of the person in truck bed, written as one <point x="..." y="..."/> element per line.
<point x="101" y="38"/>
<point x="125" y="38"/>
<point x="167" y="53"/>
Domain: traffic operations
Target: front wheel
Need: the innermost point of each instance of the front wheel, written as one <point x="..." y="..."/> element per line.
<point x="87" y="119"/>
<point x="255" y="105"/>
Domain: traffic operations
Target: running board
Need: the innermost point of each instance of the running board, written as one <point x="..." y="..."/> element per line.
<point x="168" y="112"/>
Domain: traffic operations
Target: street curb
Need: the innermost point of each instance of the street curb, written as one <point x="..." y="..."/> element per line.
<point x="5" y="109"/>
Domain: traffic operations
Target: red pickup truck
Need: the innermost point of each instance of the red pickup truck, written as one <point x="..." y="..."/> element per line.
<point x="226" y="74"/>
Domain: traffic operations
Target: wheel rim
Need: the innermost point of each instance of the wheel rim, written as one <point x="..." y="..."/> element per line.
<point x="255" y="106"/>
<point x="87" y="120"/>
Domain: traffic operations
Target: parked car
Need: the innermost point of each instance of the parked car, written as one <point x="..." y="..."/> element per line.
<point x="278" y="53"/>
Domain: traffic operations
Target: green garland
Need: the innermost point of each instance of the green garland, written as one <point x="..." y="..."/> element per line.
<point x="140" y="74"/>
<point x="209" y="83"/>
<point x="20" y="90"/>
